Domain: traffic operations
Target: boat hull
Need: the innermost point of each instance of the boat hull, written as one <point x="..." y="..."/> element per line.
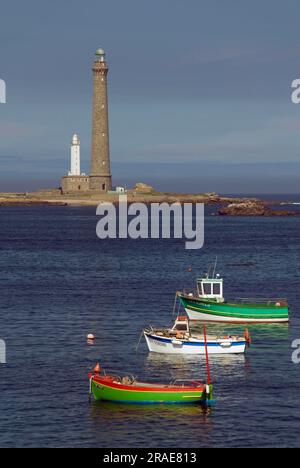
<point x="117" y="393"/>
<point x="209" y="311"/>
<point x="163" y="345"/>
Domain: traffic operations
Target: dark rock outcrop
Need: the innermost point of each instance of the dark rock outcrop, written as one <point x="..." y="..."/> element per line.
<point x="253" y="209"/>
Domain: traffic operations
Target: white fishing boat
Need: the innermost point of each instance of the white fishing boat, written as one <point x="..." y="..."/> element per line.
<point x="180" y="340"/>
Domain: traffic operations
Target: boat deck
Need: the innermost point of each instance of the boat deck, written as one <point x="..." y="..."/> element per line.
<point x="197" y="385"/>
<point x="163" y="333"/>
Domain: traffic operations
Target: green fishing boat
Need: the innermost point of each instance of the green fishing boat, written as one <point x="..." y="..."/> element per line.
<point x="207" y="304"/>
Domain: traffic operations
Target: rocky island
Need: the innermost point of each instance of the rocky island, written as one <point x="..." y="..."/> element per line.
<point x="144" y="193"/>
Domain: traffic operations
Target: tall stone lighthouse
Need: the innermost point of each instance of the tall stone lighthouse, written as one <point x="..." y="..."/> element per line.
<point x="99" y="179"/>
<point x="100" y="175"/>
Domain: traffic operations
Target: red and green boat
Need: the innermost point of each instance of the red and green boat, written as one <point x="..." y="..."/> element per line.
<point x="110" y="387"/>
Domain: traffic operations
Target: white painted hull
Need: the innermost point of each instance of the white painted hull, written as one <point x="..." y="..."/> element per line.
<point x="165" y="345"/>
<point x="198" y="316"/>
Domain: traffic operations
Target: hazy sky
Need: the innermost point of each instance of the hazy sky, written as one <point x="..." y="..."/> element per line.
<point x="199" y="92"/>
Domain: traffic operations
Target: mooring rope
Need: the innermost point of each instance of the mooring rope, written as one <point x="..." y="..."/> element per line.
<point x="90" y="389"/>
<point x="137" y="346"/>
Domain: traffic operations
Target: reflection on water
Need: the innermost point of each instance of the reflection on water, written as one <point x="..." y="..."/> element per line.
<point x="190" y="366"/>
<point x="162" y="419"/>
<point x="271" y="330"/>
<point x="110" y="411"/>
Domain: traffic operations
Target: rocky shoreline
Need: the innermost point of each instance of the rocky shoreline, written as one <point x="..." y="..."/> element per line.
<point x="143" y="193"/>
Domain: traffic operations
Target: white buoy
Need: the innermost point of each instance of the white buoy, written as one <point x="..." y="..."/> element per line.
<point x="90" y="337"/>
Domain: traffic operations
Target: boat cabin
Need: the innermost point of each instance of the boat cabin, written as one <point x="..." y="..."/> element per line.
<point x="181" y="325"/>
<point x="211" y="288"/>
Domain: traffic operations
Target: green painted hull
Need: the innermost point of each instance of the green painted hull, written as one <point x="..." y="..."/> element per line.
<point x="104" y="392"/>
<point x="202" y="309"/>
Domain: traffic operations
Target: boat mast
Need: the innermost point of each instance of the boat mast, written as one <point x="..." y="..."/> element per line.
<point x="215" y="267"/>
<point x="206" y="355"/>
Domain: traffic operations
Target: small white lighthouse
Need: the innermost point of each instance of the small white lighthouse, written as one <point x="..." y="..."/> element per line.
<point x="75" y="156"/>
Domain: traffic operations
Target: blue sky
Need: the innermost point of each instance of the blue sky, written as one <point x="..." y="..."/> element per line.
<point x="199" y="92"/>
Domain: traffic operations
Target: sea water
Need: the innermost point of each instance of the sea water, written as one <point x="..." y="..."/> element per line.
<point x="59" y="282"/>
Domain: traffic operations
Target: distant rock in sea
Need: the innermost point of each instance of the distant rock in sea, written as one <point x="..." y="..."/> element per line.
<point x="253" y="209"/>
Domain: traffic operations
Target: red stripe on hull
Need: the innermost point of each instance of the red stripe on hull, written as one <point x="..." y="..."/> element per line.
<point x="164" y="388"/>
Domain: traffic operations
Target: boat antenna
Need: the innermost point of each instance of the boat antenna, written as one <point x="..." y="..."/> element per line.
<point x="215" y="267"/>
<point x="206" y="355"/>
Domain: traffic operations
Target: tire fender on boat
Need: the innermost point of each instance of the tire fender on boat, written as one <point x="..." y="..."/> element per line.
<point x="177" y="342"/>
<point x="226" y="344"/>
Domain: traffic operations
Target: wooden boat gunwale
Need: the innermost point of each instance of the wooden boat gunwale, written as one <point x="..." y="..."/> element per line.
<point x="148" y="386"/>
<point x="271" y="302"/>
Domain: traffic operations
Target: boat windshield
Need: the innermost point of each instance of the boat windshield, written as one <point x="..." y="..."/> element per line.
<point x="216" y="289"/>
<point x="181" y="327"/>
<point x="207" y="288"/>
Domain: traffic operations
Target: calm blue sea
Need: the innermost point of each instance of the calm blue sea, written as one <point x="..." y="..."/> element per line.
<point x="59" y="282"/>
